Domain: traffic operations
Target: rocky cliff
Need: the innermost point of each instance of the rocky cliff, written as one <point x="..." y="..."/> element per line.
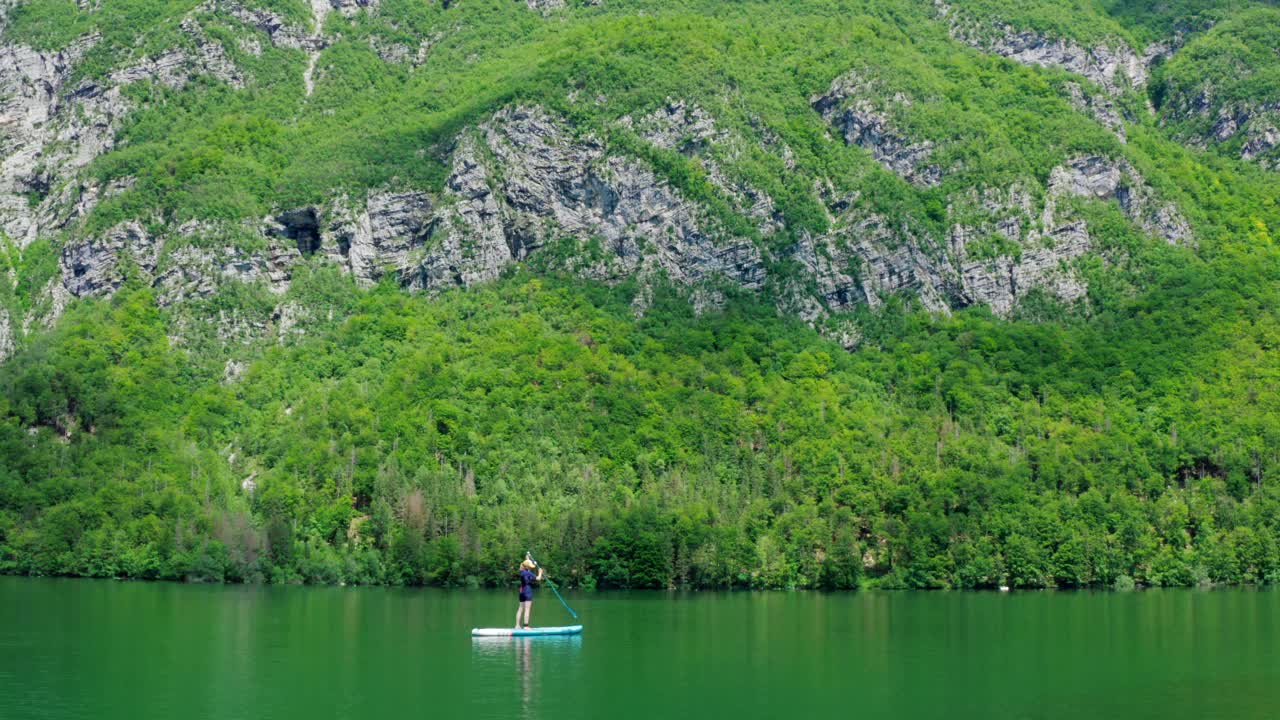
<point x="1112" y="65"/>
<point x="1252" y="126"/>
<point x="54" y="121"/>
<point x="6" y="334"/>
<point x="1223" y="91"/>
<point x="851" y="108"/>
<point x="523" y="184"/>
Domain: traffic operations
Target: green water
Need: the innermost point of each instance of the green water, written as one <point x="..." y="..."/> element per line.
<point x="99" y="649"/>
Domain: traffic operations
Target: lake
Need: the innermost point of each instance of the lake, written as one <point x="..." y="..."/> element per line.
<point x="102" y="649"/>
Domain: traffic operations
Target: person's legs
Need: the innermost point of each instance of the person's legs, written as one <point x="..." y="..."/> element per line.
<point x="528" y="608"/>
<point x="519" y="610"/>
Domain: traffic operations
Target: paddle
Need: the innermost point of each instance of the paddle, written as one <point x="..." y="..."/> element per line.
<point x="552" y="585"/>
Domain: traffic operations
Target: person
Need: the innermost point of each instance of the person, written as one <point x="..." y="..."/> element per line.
<point x="527" y="579"/>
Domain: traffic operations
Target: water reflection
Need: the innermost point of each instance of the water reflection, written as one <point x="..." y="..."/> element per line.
<point x="496" y="658"/>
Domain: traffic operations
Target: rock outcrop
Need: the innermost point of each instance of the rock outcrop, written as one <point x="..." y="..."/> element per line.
<point x="6" y="335"/>
<point x="31" y="88"/>
<point x="851" y="107"/>
<point x="1255" y="126"/>
<point x="523" y="188"/>
<point x="1099" y="107"/>
<point x="381" y="237"/>
<point x="98" y="266"/>
<point x="860" y="261"/>
<point x="1000" y="244"/>
<point x="278" y="30"/>
<point x="1113" y="65"/>
<point x="1262" y="140"/>
<point x="175" y="66"/>
<point x="53" y="122"/>
<point x="992" y="255"/>
<point x="399" y="53"/>
<point x="192" y="272"/>
<point x="545" y="6"/>
<point x="692" y="132"/>
<point x="999" y="282"/>
<point x="349" y="8"/>
<point x="1101" y="178"/>
<point x="1000" y="252"/>
<point x="543" y="185"/>
<point x="680" y="126"/>
<point x="50" y="130"/>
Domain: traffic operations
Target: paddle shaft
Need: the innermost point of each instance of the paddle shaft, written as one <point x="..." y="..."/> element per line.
<point x="551" y="584"/>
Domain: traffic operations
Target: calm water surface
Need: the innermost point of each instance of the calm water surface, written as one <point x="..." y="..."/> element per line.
<point x="100" y="649"/>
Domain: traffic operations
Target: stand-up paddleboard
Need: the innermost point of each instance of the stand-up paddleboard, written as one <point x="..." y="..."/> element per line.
<point x="526" y="632"/>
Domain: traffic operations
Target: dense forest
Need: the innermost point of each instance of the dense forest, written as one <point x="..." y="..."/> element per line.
<point x="417" y="440"/>
<point x="1130" y="436"/>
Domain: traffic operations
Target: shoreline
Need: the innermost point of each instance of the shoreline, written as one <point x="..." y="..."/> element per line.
<point x="1203" y="587"/>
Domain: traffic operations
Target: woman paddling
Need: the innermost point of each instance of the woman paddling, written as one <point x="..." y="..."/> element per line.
<point x="527" y="579"/>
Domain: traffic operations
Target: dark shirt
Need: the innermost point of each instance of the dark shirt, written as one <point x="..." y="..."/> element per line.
<point x="527" y="579"/>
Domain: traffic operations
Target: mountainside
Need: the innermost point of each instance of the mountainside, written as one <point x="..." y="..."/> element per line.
<point x="949" y="294"/>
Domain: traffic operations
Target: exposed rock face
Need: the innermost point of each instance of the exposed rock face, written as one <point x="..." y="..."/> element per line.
<point x="679" y="126"/>
<point x="519" y="183"/>
<point x="553" y="186"/>
<point x="191" y="272"/>
<point x="1255" y="125"/>
<point x="1114" y="65"/>
<point x="96" y="267"/>
<point x="472" y="244"/>
<point x="545" y="6"/>
<point x="6" y="335"/>
<point x="349" y="8"/>
<point x="31" y="83"/>
<point x="522" y="186"/>
<point x="278" y="30"/>
<point x="1102" y="109"/>
<point x="189" y="263"/>
<point x="392" y="52"/>
<point x="999" y="254"/>
<point x="1042" y="253"/>
<point x="288" y="318"/>
<point x="693" y="132"/>
<point x="50" y="301"/>
<point x="194" y="260"/>
<point x="864" y="258"/>
<point x="383" y="236"/>
<point x="399" y="53"/>
<point x="50" y="130"/>
<point x="1104" y="179"/>
<point x="1261" y="142"/>
<point x="850" y="107"/>
<point x="1001" y="243"/>
<point x="175" y="66"/>
<point x="1001" y="281"/>
<point x="299" y="228"/>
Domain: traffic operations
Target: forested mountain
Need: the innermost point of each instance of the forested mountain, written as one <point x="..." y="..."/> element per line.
<point x="680" y="293"/>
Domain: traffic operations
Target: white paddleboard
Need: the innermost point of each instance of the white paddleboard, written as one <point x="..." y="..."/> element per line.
<point x="526" y="632"/>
